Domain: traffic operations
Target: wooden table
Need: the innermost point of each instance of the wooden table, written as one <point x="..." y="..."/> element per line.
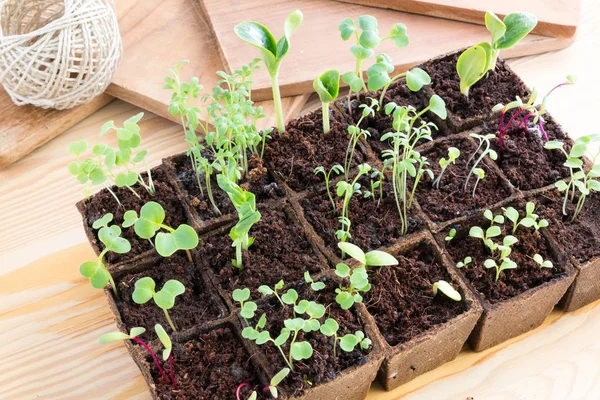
<point x="50" y="317"/>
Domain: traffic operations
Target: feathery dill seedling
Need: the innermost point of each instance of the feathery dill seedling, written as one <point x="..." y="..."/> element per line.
<point x="337" y="169"/>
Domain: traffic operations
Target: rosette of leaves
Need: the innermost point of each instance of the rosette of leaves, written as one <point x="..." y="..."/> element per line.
<point x="151" y="220"/>
<point x="145" y="290"/>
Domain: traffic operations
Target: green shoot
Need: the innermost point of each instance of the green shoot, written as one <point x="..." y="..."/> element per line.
<point x="480" y="174"/>
<point x="379" y="76"/>
<point x="346" y="190"/>
<point x="376" y="183"/>
<point x="474" y="62"/>
<point x="494" y="219"/>
<point x="276" y="380"/>
<point x="450" y="235"/>
<point x="486" y="150"/>
<point x="464" y="263"/>
<point x="267" y="291"/>
<point x="349" y="341"/>
<point x="151" y="220"/>
<point x="164" y="298"/>
<point x="168" y="351"/>
<point x="272" y="52"/>
<point x="110" y="236"/>
<point x="247" y="308"/>
<point x="541" y="262"/>
<point x="245" y="205"/>
<point x="315" y="286"/>
<point x="446" y="289"/>
<point x="453" y="154"/>
<point x="327" y="86"/>
<point x="356" y="133"/>
<point x="486" y="237"/>
<point x="330" y="328"/>
<point x="507" y="263"/>
<point x="337" y="169"/>
<point x="529" y="221"/>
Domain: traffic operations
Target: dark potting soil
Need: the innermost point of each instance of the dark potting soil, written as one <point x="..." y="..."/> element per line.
<point x="195" y="306"/>
<point x="380" y="124"/>
<point x="257" y="181"/>
<point x="524" y="161"/>
<point x="451" y="200"/>
<point x="303" y="147"/>
<point x="401" y="298"/>
<point x="499" y="86"/>
<point x="579" y="238"/>
<point x="280" y="251"/>
<point x="512" y="282"/>
<point x="209" y="367"/>
<point x="103" y="202"/>
<point x="375" y="223"/>
<point x="323" y="366"/>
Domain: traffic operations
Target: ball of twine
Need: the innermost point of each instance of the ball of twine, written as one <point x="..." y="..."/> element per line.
<point x="57" y="53"/>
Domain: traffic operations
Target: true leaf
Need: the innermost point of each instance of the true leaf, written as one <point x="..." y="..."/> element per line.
<point x="471" y="66"/>
<point x="518" y="25"/>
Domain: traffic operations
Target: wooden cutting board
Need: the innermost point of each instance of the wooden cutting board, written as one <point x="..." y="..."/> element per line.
<point x="317" y="45"/>
<point x="157" y="34"/>
<point x="556" y="18"/>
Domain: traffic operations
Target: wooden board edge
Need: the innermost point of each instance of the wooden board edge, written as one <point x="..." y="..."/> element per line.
<point x="470" y="15"/>
<point x="200" y="6"/>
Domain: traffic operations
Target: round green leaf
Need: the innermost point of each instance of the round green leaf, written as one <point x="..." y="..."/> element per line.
<point x="144" y="290"/>
<point x="103" y="221"/>
<point x="327" y="85"/>
<point x="378" y="76"/>
<point x="241" y="295"/>
<point x="290" y="297"/>
<point x="129" y="218"/>
<point x="329" y="327"/>
<point x="518" y="25"/>
<point x="345" y="300"/>
<point x="301" y="351"/>
<point x="353" y="81"/>
<point x="398" y="35"/>
<point x="346" y="28"/>
<point x="361" y="52"/>
<point x="165" y="298"/>
<point x="283" y="337"/>
<point x="437" y="106"/>
<point x="416" y="78"/>
<point x="348" y="342"/>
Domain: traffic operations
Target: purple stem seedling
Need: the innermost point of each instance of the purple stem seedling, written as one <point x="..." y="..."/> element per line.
<point x="168" y="351"/>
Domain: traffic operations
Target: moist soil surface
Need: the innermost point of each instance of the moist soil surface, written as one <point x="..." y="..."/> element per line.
<point x="451" y="200"/>
<point x="209" y="367"/>
<point x="512" y="282"/>
<point x="303" y="147"/>
<point x="257" y="181"/>
<point x="280" y="251"/>
<point x="103" y="202"/>
<point x="499" y="86"/>
<point x="194" y="307"/>
<point x="401" y="298"/>
<point x="323" y="366"/>
<point x="375" y="223"/>
<point x="523" y="159"/>
<point x="579" y="238"/>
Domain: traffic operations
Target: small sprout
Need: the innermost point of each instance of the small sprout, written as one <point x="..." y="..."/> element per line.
<point x="167" y="352"/>
<point x="327" y="86"/>
<point x="337" y="169"/>
<point x="497" y="219"/>
<point x="464" y="263"/>
<point x="247" y="308"/>
<point x="453" y="154"/>
<point x="346" y="190"/>
<point x="541" y="262"/>
<point x="349" y="341"/>
<point x="507" y="263"/>
<point x="491" y="232"/>
<point x="480" y="174"/>
<point x="267" y="291"/>
<point x="529" y="221"/>
<point x="474" y="62"/>
<point x="315" y="286"/>
<point x="164" y="298"/>
<point x="330" y="328"/>
<point x="447" y="289"/>
<point x="450" y="236"/>
<point x="485" y="146"/>
<point x="374" y="258"/>
<point x="276" y="380"/>
<point x="272" y="52"/>
<point x="359" y="282"/>
<point x="151" y="220"/>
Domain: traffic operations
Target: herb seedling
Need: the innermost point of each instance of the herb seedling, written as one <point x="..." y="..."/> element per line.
<point x="474" y="62"/>
<point x="272" y="52"/>
<point x="529" y="109"/>
<point x="276" y="380"/>
<point x="327" y="86"/>
<point x="480" y="174"/>
<point x="446" y="289"/>
<point x="164" y="298"/>
<point x="151" y="220"/>
<point x="494" y="219"/>
<point x="450" y="235"/>
<point x="453" y="154"/>
<point x="337" y="169"/>
<point x="356" y="133"/>
<point x="486" y="150"/>
<point x="464" y="263"/>
<point x="379" y="76"/>
<point x="486" y="237"/>
<point x="245" y="205"/>
<point x="529" y="221"/>
<point x="133" y="335"/>
<point x="110" y="236"/>
<point x="581" y="180"/>
<point x="507" y="263"/>
<point x="346" y="190"/>
<point x="541" y="262"/>
<point x="376" y="183"/>
<point x="267" y="291"/>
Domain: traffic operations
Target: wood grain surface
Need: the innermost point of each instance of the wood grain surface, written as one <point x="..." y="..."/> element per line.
<point x="50" y="316"/>
<point x="556" y="18"/>
<point x="316" y="46"/>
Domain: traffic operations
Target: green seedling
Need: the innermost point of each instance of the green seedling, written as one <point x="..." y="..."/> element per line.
<point x="450" y="236"/>
<point x="479" y="174"/>
<point x="453" y="154"/>
<point x="529" y="221"/>
<point x="133" y="335"/>
<point x="110" y="236"/>
<point x="541" y="262"/>
<point x="446" y="289"/>
<point x="494" y="219"/>
<point x="583" y="180"/>
<point x="346" y="190"/>
<point x="348" y="342"/>
<point x="507" y="263"/>
<point x="379" y="77"/>
<point x="477" y="60"/>
<point x="247" y="308"/>
<point x="168" y="351"/>
<point x="151" y="220"/>
<point x="245" y="205"/>
<point x="272" y="52"/>
<point x="336" y="169"/>
<point x="327" y="86"/>
<point x="486" y="150"/>
<point x="355" y="133"/>
<point x="464" y="263"/>
<point x="276" y="380"/>
<point x="164" y="298"/>
<point x="376" y="184"/>
<point x="315" y="286"/>
<point x="486" y="237"/>
<point x="267" y="291"/>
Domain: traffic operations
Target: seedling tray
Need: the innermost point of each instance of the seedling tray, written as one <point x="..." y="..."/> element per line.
<point x="288" y="197"/>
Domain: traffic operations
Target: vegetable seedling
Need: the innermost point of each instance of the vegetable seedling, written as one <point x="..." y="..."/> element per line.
<point x="247" y="308"/>
<point x="164" y="298"/>
<point x="245" y="205"/>
<point x="276" y="380"/>
<point x="272" y="52"/>
<point x="450" y="236"/>
<point x="494" y="219"/>
<point x="267" y="291"/>
<point x="453" y="154"/>
<point x="168" y="351"/>
<point x="379" y="77"/>
<point x="446" y="289"/>
<point x="133" y="335"/>
<point x="486" y="150"/>
<point x="327" y="86"/>
<point x="464" y="263"/>
<point x="346" y="190"/>
<point x="529" y="221"/>
<point x="355" y="133"/>
<point x="151" y="220"/>
<point x="336" y="169"/>
<point x="110" y="236"/>
<point x="507" y="263"/>
<point x="474" y="62"/>
<point x="541" y="262"/>
<point x="315" y="286"/>
<point x="479" y="174"/>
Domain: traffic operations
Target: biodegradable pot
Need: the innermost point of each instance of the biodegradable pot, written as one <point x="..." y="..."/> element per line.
<point x="440" y="344"/>
<point x="585" y="288"/>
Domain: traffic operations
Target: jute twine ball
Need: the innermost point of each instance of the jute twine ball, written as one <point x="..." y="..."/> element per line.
<point x="57" y="53"/>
